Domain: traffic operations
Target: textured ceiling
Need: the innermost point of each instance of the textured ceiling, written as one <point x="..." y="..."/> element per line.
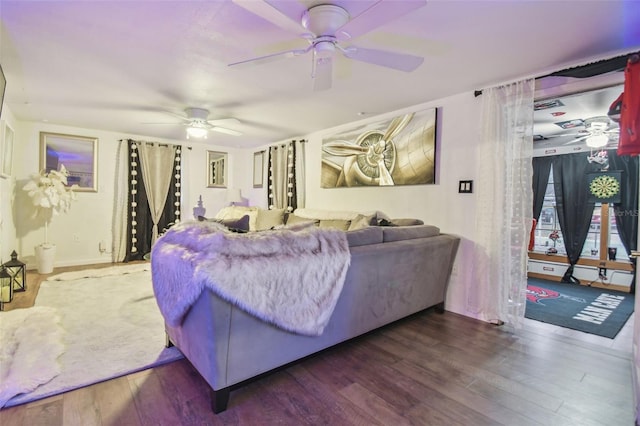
<point x="117" y="65"/>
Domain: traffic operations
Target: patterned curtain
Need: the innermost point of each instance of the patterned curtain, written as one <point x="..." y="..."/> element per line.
<point x="142" y="225"/>
<point x="286" y="189"/>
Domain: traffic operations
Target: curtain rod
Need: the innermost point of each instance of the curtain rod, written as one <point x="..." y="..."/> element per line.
<point x="632" y="55"/>
<point x="159" y="143"/>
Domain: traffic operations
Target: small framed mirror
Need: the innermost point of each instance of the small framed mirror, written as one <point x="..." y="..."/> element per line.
<point x="217" y="164"/>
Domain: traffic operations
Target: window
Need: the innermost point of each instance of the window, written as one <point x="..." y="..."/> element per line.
<point x="603" y="232"/>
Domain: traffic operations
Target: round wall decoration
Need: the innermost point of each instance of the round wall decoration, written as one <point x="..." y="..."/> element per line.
<point x="604" y="187"/>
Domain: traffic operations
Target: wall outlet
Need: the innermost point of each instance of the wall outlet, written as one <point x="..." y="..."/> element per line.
<point x="102" y="246"/>
<point x="76" y="238"/>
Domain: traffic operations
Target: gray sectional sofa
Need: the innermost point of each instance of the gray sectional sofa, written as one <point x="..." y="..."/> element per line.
<point x="394" y="271"/>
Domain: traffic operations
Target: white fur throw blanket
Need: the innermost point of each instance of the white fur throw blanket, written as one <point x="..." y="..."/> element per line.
<point x="289" y="279"/>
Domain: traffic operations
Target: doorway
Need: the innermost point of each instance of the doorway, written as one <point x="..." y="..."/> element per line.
<point x="583" y="125"/>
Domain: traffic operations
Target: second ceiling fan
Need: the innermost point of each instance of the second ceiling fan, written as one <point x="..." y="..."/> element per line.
<point x="323" y="26"/>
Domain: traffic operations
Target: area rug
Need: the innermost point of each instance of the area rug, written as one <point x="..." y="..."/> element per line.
<point x="112" y="327"/>
<point x="588" y="309"/>
<point x="31" y="342"/>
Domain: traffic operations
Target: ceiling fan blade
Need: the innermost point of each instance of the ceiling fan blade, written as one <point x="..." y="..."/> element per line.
<point x="377" y="15"/>
<point x="581" y="138"/>
<point x="225" y="130"/>
<point x="163" y="124"/>
<point x="398" y="61"/>
<point x="292" y="9"/>
<point x="223" y="121"/>
<point x="273" y="57"/>
<point x="273" y="14"/>
<point x="322" y="73"/>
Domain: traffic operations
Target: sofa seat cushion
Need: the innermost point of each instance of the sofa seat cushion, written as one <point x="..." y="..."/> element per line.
<point x="365" y="236"/>
<point x="397" y="233"/>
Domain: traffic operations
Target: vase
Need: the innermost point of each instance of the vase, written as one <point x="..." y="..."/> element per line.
<point x="45" y="254"/>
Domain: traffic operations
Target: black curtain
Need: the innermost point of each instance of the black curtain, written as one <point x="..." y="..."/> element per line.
<point x="574" y="209"/>
<point x="281" y="176"/>
<point x="626" y="211"/>
<point x="541" y="169"/>
<point x="139" y="223"/>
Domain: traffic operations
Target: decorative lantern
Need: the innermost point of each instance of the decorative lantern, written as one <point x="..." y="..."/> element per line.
<point x="6" y="289"/>
<point x="17" y="272"/>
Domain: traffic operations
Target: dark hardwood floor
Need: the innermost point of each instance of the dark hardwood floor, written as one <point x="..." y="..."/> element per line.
<point x="428" y="369"/>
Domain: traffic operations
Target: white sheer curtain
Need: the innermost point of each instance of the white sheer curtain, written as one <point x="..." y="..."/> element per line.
<point x="120" y="208"/>
<point x="156" y="161"/>
<point x="504" y="204"/>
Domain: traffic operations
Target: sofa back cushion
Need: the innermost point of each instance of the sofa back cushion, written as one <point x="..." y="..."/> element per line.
<point x="397" y="233"/>
<point x="365" y="236"/>
<point x="342" y="225"/>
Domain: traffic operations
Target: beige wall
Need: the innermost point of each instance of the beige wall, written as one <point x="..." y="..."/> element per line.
<point x="78" y="233"/>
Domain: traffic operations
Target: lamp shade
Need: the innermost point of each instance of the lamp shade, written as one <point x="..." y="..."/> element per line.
<point x="597" y="141"/>
<point x="197" y="132"/>
<point x="234" y="196"/>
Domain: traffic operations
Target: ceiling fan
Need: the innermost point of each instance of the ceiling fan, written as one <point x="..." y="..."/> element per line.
<point x="198" y="125"/>
<point x="323" y="26"/>
<point x="598" y="132"/>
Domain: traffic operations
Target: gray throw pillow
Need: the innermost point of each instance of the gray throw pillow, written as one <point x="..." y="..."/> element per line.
<point x="235" y="225"/>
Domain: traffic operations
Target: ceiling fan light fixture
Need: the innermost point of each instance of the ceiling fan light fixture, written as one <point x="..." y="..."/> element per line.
<point x="197" y="132"/>
<point x="597" y="141"/>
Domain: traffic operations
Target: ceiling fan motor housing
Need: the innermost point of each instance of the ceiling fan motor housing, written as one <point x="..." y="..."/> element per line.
<point x="325" y="19"/>
<point x="197" y="114"/>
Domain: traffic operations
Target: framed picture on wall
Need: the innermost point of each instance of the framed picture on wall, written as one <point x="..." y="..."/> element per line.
<point x="7" y="150"/>
<point x="258" y="169"/>
<point x="78" y="154"/>
<point x="394" y="151"/>
<point x="217" y="164"/>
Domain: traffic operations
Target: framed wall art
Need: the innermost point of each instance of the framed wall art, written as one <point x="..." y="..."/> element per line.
<point x="258" y="169"/>
<point x="78" y="154"/>
<point x="217" y="164"/>
<point x="8" y="137"/>
<point x="391" y="152"/>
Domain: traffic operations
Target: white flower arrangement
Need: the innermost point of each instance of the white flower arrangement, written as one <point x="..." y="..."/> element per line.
<point x="49" y="193"/>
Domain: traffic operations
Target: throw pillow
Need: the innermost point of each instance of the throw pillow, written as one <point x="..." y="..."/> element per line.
<point x="360" y="221"/>
<point x="236" y="225"/>
<point x="342" y="225"/>
<point x="269" y="219"/>
<point x="292" y="219"/>
<point x="236" y="212"/>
